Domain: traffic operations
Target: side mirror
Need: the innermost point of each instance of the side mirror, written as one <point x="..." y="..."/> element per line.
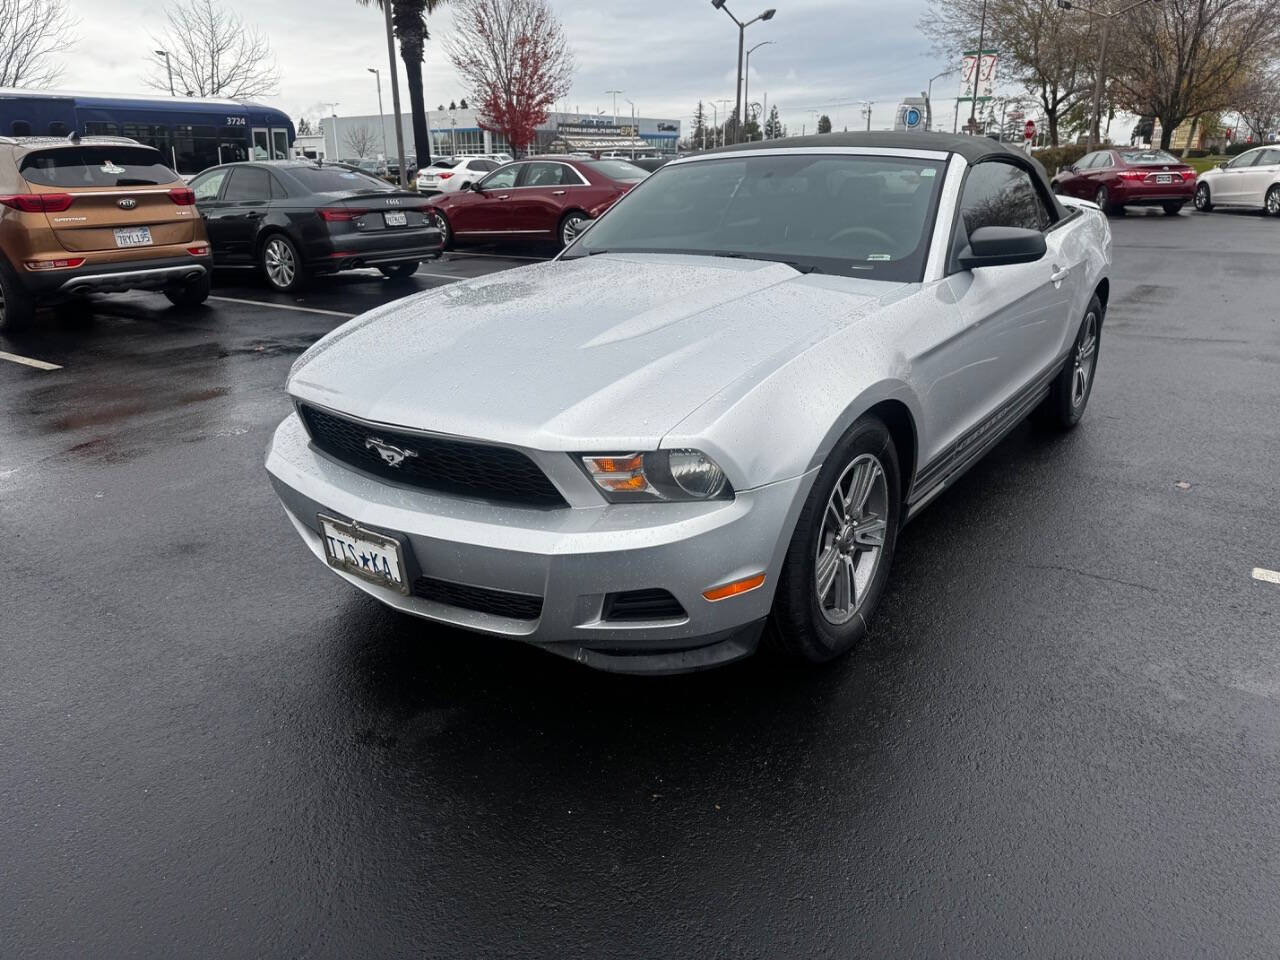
<point x="1221" y="164"/>
<point x="997" y="246"/>
<point x="474" y="186"/>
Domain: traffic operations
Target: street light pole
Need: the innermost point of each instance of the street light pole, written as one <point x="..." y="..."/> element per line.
<point x="715" y="122"/>
<point x="724" y="131"/>
<point x="746" y="78"/>
<point x="169" y="66"/>
<point x="977" y="67"/>
<point x="742" y="29"/>
<point x="395" y="105"/>
<point x="928" y="99"/>
<point x="382" y="120"/>
<point x="615" y="103"/>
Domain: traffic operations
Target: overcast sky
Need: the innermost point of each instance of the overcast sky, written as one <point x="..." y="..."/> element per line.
<point x="665" y="55"/>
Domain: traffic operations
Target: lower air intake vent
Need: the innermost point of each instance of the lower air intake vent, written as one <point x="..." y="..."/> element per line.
<point x="497" y="603"/>
<point x="642" y="605"/>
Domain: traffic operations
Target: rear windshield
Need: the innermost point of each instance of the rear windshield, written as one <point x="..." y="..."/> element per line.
<point x="1148" y="156"/>
<point x="618" y="170"/>
<point x="97" y="167"/>
<point x="445" y="164"/>
<point x="338" y="180"/>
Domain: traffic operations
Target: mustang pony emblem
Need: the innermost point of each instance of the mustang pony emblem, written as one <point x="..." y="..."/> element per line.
<point x="394" y="456"/>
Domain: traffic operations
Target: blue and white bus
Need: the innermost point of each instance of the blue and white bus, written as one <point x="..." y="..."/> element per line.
<point x="193" y="134"/>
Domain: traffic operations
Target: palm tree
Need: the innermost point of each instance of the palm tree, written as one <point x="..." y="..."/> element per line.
<point x="409" y="20"/>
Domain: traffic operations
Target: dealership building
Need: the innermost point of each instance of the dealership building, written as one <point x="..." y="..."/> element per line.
<point x="459" y="131"/>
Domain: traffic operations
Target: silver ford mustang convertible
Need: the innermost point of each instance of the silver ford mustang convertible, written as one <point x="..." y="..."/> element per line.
<point x="704" y="424"/>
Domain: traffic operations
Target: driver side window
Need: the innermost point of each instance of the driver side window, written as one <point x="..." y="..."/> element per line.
<point x="503" y="179"/>
<point x="997" y="194"/>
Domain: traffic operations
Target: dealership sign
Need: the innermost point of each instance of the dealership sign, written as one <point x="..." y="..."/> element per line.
<point x="986" y="75"/>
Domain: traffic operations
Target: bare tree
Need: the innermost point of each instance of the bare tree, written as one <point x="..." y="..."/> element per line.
<point x="513" y="56"/>
<point x="213" y="54"/>
<point x="1046" y="51"/>
<point x="1185" y="58"/>
<point x="1258" y="103"/>
<point x="361" y="140"/>
<point x="31" y="31"/>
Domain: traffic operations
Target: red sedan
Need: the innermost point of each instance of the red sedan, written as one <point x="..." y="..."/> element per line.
<point x="541" y="197"/>
<point x="1129" y="176"/>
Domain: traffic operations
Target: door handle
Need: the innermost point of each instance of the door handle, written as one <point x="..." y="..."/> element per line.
<point x="1059" y="274"/>
<point x="254" y="214"/>
<point x="504" y="197"/>
<point x="557" y="193"/>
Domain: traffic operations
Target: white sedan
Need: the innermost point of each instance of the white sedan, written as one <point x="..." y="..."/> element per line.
<point x="451" y="174"/>
<point x="1251" y="179"/>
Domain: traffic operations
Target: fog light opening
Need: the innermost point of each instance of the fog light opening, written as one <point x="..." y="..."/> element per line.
<point x="734" y="589"/>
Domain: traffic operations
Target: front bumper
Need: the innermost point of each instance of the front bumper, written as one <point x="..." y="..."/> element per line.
<point x="570" y="557"/>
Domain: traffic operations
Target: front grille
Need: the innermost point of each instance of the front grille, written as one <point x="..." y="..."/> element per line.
<point x="447" y="466"/>
<point x="642" y="605"/>
<point x="499" y="603"/>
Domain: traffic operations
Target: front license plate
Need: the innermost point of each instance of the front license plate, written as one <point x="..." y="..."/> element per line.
<point x="395" y="218"/>
<point x="1164" y="178"/>
<point x="361" y="552"/>
<point x="133" y="236"/>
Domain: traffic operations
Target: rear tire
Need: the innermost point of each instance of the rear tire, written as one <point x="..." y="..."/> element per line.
<point x="190" y="294"/>
<point x="1273" y="201"/>
<point x="282" y="264"/>
<point x="17" y="306"/>
<point x="850" y="547"/>
<point x="400" y="271"/>
<point x="1069" y="394"/>
<point x="1203" y="202"/>
<point x="571" y="226"/>
<point x="1172" y="209"/>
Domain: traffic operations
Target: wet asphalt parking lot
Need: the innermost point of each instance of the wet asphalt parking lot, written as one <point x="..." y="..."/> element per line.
<point x="1062" y="738"/>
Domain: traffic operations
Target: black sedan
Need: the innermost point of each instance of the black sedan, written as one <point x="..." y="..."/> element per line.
<point x="295" y="218"/>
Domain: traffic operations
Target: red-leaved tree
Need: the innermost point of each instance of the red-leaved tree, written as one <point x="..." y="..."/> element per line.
<point x="513" y="56"/>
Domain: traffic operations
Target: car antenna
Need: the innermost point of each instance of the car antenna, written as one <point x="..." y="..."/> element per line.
<point x="74" y="136"/>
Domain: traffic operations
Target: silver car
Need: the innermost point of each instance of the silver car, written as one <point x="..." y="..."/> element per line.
<point x="708" y="419"/>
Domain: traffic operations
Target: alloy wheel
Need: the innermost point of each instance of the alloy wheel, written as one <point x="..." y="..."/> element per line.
<point x="1083" y="361"/>
<point x="443" y="226"/>
<point x="1100" y="198"/>
<point x="851" y="540"/>
<point x="1202" y="197"/>
<point x="572" y="227"/>
<point x="279" y="261"/>
<point x="1273" y="201"/>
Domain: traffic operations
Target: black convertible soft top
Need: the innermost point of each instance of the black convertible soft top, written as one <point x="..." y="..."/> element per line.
<point x="972" y="149"/>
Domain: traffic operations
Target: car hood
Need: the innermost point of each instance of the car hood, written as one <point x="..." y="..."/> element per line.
<point x="611" y="349"/>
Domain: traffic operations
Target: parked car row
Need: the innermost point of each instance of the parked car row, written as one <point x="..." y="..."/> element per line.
<point x="1117" y="177"/>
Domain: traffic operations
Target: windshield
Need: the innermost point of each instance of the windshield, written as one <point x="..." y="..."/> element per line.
<point x="865" y="216"/>
<point x="97" y="167"/>
<point x="1148" y="156"/>
<point x="617" y="170"/>
<point x="338" y="180"/>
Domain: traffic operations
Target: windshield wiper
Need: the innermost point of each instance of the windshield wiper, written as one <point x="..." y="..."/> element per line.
<point x="796" y="265"/>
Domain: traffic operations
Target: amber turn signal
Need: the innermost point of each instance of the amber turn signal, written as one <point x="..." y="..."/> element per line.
<point x="735" y="588"/>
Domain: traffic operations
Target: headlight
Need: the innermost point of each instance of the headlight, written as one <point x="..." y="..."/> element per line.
<point x="671" y="475"/>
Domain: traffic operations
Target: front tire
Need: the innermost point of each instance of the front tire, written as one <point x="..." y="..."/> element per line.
<point x="1202" y="201"/>
<point x="190" y="294"/>
<point x="400" y="271"/>
<point x="1069" y="394"/>
<point x="446" y="233"/>
<point x="282" y="264"/>
<point x="841" y="551"/>
<point x="1273" y="201"/>
<point x="1103" y="199"/>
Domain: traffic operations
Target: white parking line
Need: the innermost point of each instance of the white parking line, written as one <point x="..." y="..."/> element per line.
<point x="442" y="276"/>
<point x="496" y="256"/>
<point x="1266" y="576"/>
<point x="284" y="306"/>
<point x="28" y="361"/>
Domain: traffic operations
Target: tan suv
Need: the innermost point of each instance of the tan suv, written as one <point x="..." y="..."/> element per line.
<point x="91" y="215"/>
